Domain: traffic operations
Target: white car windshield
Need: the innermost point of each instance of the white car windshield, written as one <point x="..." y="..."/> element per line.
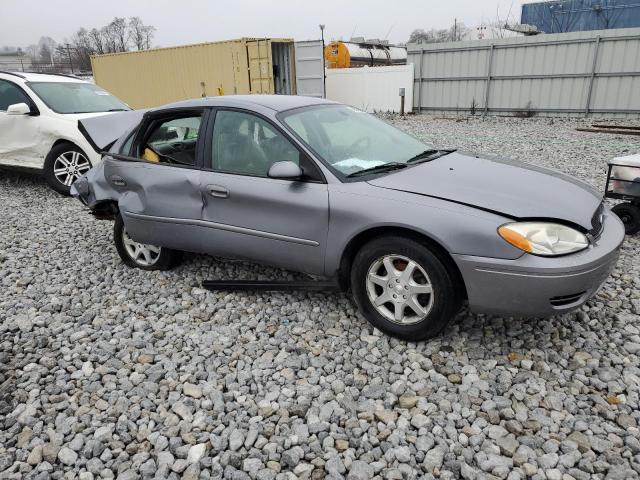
<point x="76" y="97"/>
<point x="351" y="140"/>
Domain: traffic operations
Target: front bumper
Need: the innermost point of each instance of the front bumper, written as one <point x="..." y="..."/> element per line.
<point x="533" y="286"/>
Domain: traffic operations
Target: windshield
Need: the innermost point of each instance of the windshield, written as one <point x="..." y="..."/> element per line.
<point x="76" y="97"/>
<point x="351" y="140"/>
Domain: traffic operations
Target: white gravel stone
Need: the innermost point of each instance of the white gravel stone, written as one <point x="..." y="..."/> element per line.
<point x="196" y="452"/>
<point x="67" y="456"/>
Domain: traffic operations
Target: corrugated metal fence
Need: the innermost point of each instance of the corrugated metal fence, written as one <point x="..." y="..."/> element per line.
<point x="589" y="73"/>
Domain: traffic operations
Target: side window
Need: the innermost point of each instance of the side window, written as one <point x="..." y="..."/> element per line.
<point x="11" y="94"/>
<point x="248" y="145"/>
<point x="173" y="141"/>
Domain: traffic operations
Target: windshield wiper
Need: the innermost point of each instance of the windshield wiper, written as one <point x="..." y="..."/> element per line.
<point x="429" y="155"/>
<point x="118" y="110"/>
<point x="385" y="167"/>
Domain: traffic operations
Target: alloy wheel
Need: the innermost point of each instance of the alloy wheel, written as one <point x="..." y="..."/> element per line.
<point x="400" y="289"/>
<point x="141" y="253"/>
<point x="70" y="166"/>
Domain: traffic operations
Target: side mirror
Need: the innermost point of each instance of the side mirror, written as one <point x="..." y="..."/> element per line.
<point x="18" y="109"/>
<point x="286" y="170"/>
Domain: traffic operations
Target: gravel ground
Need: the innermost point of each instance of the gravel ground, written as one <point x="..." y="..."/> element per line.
<point x="109" y="372"/>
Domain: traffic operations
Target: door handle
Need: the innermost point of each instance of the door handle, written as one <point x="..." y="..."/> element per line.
<point x="118" y="181"/>
<point x="218" y="191"/>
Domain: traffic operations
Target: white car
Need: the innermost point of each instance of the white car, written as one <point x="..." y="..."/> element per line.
<point x="39" y="116"/>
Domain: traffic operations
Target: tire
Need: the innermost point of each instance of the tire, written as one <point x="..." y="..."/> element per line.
<point x="64" y="164"/>
<point x="630" y="216"/>
<point x="149" y="257"/>
<point x="427" y="269"/>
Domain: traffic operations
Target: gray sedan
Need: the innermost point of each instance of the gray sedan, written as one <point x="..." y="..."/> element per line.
<point x="319" y="187"/>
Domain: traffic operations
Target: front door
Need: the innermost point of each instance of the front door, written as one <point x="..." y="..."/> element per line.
<point x="19" y="134"/>
<point x="252" y="216"/>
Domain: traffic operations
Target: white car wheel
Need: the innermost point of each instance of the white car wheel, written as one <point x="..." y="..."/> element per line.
<point x="69" y="166"/>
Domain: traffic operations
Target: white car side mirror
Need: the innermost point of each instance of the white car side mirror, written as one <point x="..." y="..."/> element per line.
<point x="18" y="109"/>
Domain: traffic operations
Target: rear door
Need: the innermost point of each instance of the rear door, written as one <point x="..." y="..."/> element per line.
<point x="160" y="198"/>
<point x="249" y="215"/>
<point x="310" y="68"/>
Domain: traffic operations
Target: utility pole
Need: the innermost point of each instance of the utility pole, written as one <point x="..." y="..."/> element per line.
<point x="324" y="73"/>
<point x="69" y="55"/>
<point x="455" y="29"/>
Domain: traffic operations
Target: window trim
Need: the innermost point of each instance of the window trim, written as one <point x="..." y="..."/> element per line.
<point x="208" y="148"/>
<point x="132" y="137"/>
<point x="152" y="118"/>
<point x="35" y="111"/>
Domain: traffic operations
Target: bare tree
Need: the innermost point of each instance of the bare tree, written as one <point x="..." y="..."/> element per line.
<point x="109" y="39"/>
<point x="120" y="32"/>
<point x="148" y="36"/>
<point x="96" y="40"/>
<point x="45" y="55"/>
<point x="32" y="52"/>
<point x="453" y="34"/>
<point x="457" y="32"/>
<point x="81" y="49"/>
<point x="118" y="36"/>
<point x="140" y="34"/>
<point x="46" y="47"/>
<point x="420" y="35"/>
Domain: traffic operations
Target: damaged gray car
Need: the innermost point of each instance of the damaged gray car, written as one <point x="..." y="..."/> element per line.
<point x="322" y="188"/>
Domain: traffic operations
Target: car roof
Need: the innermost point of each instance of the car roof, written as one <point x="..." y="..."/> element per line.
<point x="42" y="77"/>
<point x="278" y="103"/>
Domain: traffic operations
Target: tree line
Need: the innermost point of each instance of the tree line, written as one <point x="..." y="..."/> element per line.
<point x="453" y="34"/>
<point x="120" y="35"/>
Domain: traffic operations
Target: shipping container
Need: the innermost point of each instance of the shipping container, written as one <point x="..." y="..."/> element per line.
<point x="155" y="77"/>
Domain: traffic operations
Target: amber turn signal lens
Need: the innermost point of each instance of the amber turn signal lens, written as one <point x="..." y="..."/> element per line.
<point x="515" y="239"/>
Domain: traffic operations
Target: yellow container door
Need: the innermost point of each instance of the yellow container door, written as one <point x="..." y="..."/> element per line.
<point x="260" y="71"/>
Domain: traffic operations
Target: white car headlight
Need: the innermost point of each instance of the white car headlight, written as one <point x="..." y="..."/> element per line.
<point x="543" y="238"/>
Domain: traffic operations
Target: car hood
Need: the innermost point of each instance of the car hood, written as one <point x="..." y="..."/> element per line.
<point x="507" y="187"/>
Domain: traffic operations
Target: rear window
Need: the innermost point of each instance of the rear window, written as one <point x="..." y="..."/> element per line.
<point x="76" y="97"/>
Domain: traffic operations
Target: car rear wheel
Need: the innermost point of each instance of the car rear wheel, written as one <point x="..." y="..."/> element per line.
<point x="403" y="288"/>
<point x="141" y="255"/>
<point x="64" y="164"/>
<point x="630" y="216"/>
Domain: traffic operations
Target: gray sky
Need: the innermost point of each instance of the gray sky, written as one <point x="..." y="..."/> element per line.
<point x="22" y="22"/>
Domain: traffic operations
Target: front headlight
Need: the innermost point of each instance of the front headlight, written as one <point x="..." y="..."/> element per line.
<point x="543" y="238"/>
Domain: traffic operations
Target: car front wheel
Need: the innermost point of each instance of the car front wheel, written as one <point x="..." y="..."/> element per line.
<point x="64" y="164"/>
<point x="403" y="288"/>
<point x="141" y="255"/>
